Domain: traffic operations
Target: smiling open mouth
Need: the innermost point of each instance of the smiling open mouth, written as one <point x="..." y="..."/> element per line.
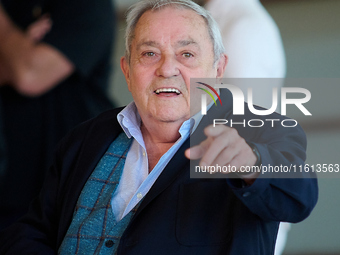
<point x="167" y="90"/>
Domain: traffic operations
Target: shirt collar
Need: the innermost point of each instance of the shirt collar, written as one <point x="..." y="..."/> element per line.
<point x="130" y="121"/>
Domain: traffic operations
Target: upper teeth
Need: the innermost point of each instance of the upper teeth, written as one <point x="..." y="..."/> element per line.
<point x="170" y="90"/>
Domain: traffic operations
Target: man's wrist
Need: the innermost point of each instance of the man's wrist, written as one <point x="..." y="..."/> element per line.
<point x="251" y="175"/>
<point x="256" y="153"/>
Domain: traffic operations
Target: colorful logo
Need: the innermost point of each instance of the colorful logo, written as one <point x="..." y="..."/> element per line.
<point x="208" y="92"/>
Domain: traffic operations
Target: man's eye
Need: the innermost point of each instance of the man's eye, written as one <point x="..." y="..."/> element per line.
<point x="187" y="55"/>
<point x="149" y="54"/>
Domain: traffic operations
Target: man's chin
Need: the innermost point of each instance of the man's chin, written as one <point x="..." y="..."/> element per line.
<point x="173" y="119"/>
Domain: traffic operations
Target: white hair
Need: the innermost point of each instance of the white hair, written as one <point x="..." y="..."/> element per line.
<point x="138" y="9"/>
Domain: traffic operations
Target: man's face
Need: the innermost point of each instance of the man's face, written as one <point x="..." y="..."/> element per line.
<point x="170" y="46"/>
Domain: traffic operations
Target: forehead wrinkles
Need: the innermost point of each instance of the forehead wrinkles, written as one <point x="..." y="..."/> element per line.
<point x="193" y="21"/>
<point x="177" y="44"/>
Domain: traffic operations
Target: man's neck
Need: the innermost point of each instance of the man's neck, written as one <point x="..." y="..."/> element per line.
<point x="161" y="132"/>
<point x="158" y="140"/>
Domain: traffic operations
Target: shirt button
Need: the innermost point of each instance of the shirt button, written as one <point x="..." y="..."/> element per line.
<point x="109" y="243"/>
<point x="144" y="154"/>
<point x="139" y="195"/>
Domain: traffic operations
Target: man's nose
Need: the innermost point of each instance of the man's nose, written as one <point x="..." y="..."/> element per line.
<point x="168" y="67"/>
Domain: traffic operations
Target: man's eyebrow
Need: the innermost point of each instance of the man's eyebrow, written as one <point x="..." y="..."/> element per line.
<point x="186" y="43"/>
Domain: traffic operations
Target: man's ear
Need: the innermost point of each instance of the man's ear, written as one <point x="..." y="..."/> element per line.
<point x="124" y="65"/>
<point x="221" y="65"/>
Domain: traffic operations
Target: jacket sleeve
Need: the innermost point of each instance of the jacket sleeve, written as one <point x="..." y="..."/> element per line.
<point x="278" y="195"/>
<point x="43" y="228"/>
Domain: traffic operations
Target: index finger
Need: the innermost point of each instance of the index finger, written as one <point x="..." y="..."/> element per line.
<point x="214" y="131"/>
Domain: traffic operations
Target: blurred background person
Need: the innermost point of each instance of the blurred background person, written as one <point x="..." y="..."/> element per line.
<point x="255" y="50"/>
<point x="54" y="70"/>
<point x="252" y="41"/>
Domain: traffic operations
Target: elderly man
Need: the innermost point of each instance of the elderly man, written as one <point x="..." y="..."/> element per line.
<point x="121" y="182"/>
